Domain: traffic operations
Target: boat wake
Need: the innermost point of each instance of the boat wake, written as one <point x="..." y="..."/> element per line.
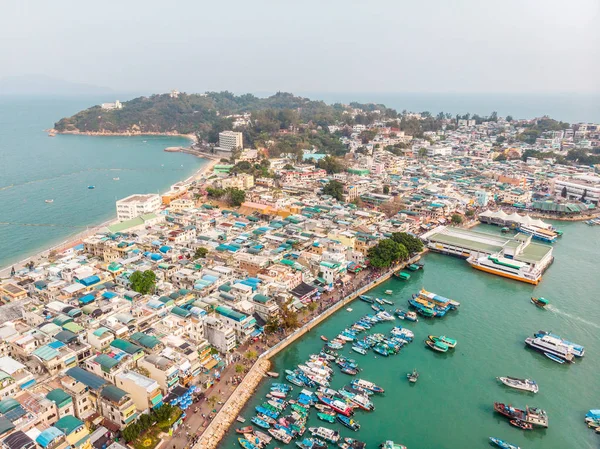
<point x="572" y="317"/>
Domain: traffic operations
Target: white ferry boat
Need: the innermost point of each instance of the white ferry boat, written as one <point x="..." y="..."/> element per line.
<point x="550" y="345"/>
<point x="508" y="268"/>
<point x="538" y="233"/>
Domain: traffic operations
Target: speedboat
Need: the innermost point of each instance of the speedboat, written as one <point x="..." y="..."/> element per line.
<point x="360" y="350"/>
<point x="366" y="298"/>
<point x="391" y="445"/>
<point x="49" y="201"/>
<point x="324" y="338"/>
<point x="437" y="346"/>
<point x="91" y="187"/>
<point x="450" y="342"/>
<point x="260" y="422"/>
<point x="406" y="315"/>
<point x="387" y="301"/>
<point x="519" y="384"/>
<point x="539" y="302"/>
<point x="388" y="292"/>
<point x="503" y="444"/>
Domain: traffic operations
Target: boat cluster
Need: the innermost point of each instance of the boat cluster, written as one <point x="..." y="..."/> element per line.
<point x="428" y="304"/>
<point x="592" y="419"/>
<point x="441" y="343"/>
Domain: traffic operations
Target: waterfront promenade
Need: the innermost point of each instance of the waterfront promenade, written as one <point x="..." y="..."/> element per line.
<point x="213" y="434"/>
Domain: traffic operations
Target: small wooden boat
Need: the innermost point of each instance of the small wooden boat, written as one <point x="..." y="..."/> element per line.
<point x="49" y="201"/>
<point x="272" y="374"/>
<point x="413" y="377"/>
<point x="388" y="292"/>
<point x="539" y="302"/>
<point x="247" y="429"/>
<point x="521" y="424"/>
<point x="437" y="346"/>
<point x="324" y="338"/>
<point x="240" y="419"/>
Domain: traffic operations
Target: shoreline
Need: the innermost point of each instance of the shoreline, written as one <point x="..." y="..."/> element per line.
<point x="42" y="253"/>
<point x="191" y="137"/>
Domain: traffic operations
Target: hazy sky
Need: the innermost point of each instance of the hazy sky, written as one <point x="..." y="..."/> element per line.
<point x="307" y="46"/>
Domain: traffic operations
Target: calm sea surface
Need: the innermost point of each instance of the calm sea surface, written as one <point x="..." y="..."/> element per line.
<point x="451" y="406"/>
<point x="35" y="167"/>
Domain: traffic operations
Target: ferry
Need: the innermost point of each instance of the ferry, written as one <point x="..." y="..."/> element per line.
<point x="551" y="346"/>
<point x="545" y="235"/>
<point x="508" y="268"/>
<point x="577" y="350"/>
<point x="441" y="304"/>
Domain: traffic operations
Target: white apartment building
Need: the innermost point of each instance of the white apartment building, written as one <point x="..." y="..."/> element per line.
<point x="578" y="187"/>
<point x="135" y="205"/>
<point x="439" y="150"/>
<point x="229" y="140"/>
<point x="110" y="106"/>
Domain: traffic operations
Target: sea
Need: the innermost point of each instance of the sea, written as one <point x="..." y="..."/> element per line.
<point x="35" y="168"/>
<point x="451" y="405"/>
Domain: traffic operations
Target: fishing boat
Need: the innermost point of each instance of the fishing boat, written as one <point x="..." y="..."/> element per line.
<point x="294" y="380"/>
<point x="551" y="347"/>
<point x="437" y="346"/>
<point x="424" y="308"/>
<point x="379" y="301"/>
<point x="387" y="301"/>
<point x="366" y="298"/>
<point x="348" y="422"/>
<point x="377" y="307"/>
<point x="414" y="267"/>
<point x="278" y="394"/>
<point x="519" y="384"/>
<point x="503" y="444"/>
<point x="413" y="377"/>
<point x="406" y="315"/>
<point x="322" y="407"/>
<point x="577" y="350"/>
<point x="367" y="385"/>
<point x="388" y="292"/>
<point x="91" y="187"/>
<point x="539" y="302"/>
<point x="402" y="275"/>
<point x="260" y="422"/>
<point x="450" y="342"/>
<point x="327" y="417"/>
<point x="336" y="405"/>
<point x="391" y="445"/>
<point x="246" y="429"/>
<point x="351" y="443"/>
<point x="246" y="444"/>
<point x="323" y="432"/>
<point x="349" y="309"/>
<point x="334" y="345"/>
<point x="280" y="435"/>
<point x="49" y="201"/>
<point x="521" y="424"/>
<point x="360" y="350"/>
<point x="531" y="415"/>
<point x="324" y="338"/>
<point x="240" y="419"/>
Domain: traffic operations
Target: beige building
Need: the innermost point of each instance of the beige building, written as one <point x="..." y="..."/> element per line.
<point x="144" y="392"/>
<point x="230" y="140"/>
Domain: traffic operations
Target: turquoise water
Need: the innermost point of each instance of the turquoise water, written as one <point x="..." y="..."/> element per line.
<point x="35" y="167"/>
<point x="451" y="406"/>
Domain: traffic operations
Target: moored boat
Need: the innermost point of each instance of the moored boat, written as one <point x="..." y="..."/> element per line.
<point x="531" y="415"/>
<point x="450" y="342"/>
<point x="246" y="444"/>
<point x="551" y="347"/>
<point x="348" y="422"/>
<point x="388" y="292"/>
<point x="519" y="384"/>
<point x="437" y="346"/>
<point x="260" y="422"/>
<point x="246" y="429"/>
<point x="577" y="350"/>
<point x="366" y="298"/>
<point x="367" y="385"/>
<point x="413" y="377"/>
<point x="324" y="338"/>
<point x="391" y="445"/>
<point x="521" y="424"/>
<point x="323" y="432"/>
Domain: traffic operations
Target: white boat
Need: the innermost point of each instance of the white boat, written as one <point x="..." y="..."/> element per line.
<point x="388" y="292"/>
<point x="49" y="201"/>
<point x="551" y="345"/>
<point x="325" y="433"/>
<point x="519" y="384"/>
<point x="508" y="268"/>
<point x="348" y="309"/>
<point x="116" y="179"/>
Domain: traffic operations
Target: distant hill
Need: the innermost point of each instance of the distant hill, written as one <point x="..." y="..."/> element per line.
<point x="46" y="85"/>
<point x="197" y="113"/>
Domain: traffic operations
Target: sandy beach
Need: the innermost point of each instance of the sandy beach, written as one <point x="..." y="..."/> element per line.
<point x="78" y="238"/>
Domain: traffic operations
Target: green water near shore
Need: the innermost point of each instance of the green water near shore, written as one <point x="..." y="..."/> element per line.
<point x="451" y="406"/>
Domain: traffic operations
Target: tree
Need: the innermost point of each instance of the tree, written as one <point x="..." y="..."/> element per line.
<point x="200" y="253"/>
<point x="143" y="282"/>
<point x="411" y="243"/>
<point x="251" y="355"/>
<point x="212" y="401"/>
<point x="288" y="167"/>
<point x="386" y="190"/>
<point x="331" y="165"/>
<point x="335" y="189"/>
<point x="509" y="118"/>
<point x="563" y="192"/>
<point x="456" y="219"/>
<point x="386" y="252"/>
<point x="272" y="325"/>
<point x="584" y="195"/>
<point x="239" y="368"/>
<point x="500" y="140"/>
<point x="236" y="196"/>
<point x="422" y="153"/>
<point x="470" y="213"/>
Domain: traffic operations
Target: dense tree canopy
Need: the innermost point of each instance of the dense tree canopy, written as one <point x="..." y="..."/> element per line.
<point x="143" y="282"/>
<point x="411" y="243"/>
<point x="335" y="189"/>
<point x="387" y="252"/>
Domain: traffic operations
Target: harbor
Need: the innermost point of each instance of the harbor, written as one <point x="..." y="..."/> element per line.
<point x="491" y="324"/>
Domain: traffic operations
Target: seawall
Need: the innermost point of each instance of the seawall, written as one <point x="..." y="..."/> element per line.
<point x="216" y="430"/>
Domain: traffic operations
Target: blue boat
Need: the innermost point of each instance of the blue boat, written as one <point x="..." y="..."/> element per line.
<point x="348" y="422"/>
<point x="246" y="444"/>
<point x="577" y="350"/>
<point x="366" y="298"/>
<point x="554" y="358"/>
<point x="91" y="187"/>
<point x="503" y="444"/>
<point x="260" y="422"/>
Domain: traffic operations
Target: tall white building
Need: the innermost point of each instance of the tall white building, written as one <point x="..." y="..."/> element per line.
<point x="135" y="205"/>
<point x="439" y="150"/>
<point x="110" y="106"/>
<point x="229" y="140"/>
